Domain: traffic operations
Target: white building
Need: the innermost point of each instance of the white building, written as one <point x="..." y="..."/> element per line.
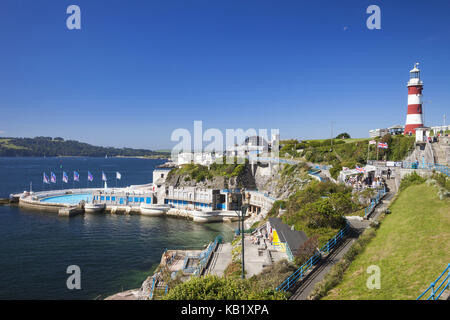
<point x="202" y="158"/>
<point x="159" y="177"/>
<point x="378" y="132"/>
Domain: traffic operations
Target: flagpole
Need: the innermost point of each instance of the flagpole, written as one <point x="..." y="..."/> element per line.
<point x="368" y="146"/>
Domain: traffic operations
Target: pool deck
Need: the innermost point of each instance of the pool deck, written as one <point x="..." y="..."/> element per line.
<point x="71" y="205"/>
<point x="34" y="201"/>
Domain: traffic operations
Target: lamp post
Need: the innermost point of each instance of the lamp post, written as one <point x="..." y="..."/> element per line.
<point x="244" y="207"/>
<point x="331" y="148"/>
<point x="243" y="212"/>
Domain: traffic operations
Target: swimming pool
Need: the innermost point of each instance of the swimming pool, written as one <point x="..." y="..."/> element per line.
<point x="68" y="198"/>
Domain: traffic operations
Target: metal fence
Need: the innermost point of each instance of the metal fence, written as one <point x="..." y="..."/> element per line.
<point x="374" y="202"/>
<point x="154" y="286"/>
<point x="203" y="258"/>
<point x="434" y="287"/>
<point x="300" y="273"/>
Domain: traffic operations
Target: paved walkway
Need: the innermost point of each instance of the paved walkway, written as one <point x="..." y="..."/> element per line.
<point x="256" y="258"/>
<point x="385" y="202"/>
<point x="441" y="151"/>
<point x="220" y="260"/>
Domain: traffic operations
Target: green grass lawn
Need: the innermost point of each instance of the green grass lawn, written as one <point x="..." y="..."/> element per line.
<point x="351" y="140"/>
<point x="412" y="248"/>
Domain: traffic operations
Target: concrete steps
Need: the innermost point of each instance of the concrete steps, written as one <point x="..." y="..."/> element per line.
<point x="70" y="212"/>
<point x="220" y="260"/>
<point x="441" y="151"/>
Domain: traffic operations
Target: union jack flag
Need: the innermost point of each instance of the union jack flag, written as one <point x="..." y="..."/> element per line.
<point x="382" y="145"/>
<point x="45" y="179"/>
<point x="52" y="178"/>
<point x="65" y="177"/>
<point x="360" y="170"/>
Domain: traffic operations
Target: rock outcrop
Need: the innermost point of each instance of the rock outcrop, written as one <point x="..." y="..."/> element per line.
<point x="243" y="180"/>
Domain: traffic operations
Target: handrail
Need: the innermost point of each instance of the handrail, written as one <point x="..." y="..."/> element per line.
<point x="152" y="288"/>
<point x="334" y="241"/>
<point x="202" y="256"/>
<point x="435" y="293"/>
<point x="374" y="202"/>
<point x="312" y="261"/>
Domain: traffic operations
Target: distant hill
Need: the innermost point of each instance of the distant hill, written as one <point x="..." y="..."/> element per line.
<point x="52" y="147"/>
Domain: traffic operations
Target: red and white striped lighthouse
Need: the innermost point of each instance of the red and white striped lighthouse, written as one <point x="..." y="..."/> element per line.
<point x="414" y="117"/>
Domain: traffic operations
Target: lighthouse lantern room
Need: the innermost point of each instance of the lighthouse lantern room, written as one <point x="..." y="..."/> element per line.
<point x="414" y="116"/>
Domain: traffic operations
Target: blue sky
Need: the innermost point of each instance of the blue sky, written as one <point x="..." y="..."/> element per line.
<point x="137" y="70"/>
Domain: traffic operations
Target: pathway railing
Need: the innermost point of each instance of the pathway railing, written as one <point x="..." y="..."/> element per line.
<point x="335" y="240"/>
<point x="203" y="258"/>
<point x="374" y="202"/>
<point x="207" y="254"/>
<point x="437" y="290"/>
<point x="300" y="273"/>
<point x="153" y="288"/>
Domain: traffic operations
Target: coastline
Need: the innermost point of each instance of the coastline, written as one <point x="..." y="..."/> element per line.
<point x="99" y="157"/>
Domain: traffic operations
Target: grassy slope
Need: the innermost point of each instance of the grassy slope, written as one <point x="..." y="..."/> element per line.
<point x="5" y="143"/>
<point x="350" y="140"/>
<point x="412" y="247"/>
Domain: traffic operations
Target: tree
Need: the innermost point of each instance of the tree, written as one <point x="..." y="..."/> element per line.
<point x="343" y="135"/>
<point x="306" y="250"/>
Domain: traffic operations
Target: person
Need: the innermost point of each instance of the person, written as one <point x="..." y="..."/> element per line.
<point x="389" y="173"/>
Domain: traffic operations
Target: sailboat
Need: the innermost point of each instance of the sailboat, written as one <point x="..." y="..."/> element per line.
<point x="106" y="156"/>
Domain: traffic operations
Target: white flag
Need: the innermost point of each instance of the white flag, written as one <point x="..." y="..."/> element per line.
<point x="118" y="175"/>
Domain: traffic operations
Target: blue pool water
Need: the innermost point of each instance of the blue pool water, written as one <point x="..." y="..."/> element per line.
<point x="69" y="198"/>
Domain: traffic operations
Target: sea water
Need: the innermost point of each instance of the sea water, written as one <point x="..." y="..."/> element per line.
<point x="114" y="252"/>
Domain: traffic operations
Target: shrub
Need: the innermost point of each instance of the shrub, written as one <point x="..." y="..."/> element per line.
<point x="442" y="180"/>
<point x="277" y="205"/>
<point x="306" y="250"/>
<point x="272" y="276"/>
<point x="216" y="288"/>
<point x="233" y="270"/>
<point x="411" y="179"/>
<point x="334" y="171"/>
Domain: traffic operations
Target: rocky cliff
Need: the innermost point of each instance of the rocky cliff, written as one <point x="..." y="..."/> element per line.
<point x="242" y="178"/>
